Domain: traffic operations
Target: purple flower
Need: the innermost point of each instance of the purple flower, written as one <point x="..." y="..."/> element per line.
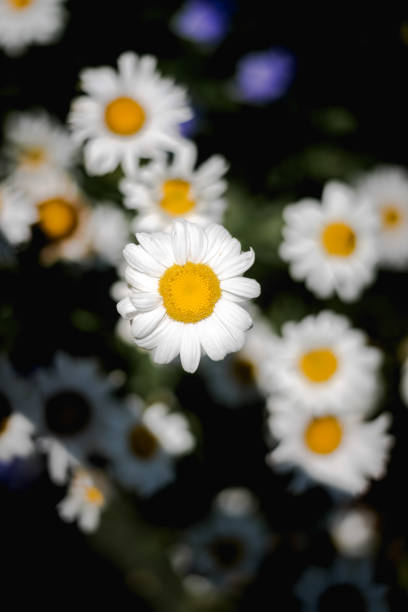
<point x="202" y="21"/>
<point x="264" y="76"/>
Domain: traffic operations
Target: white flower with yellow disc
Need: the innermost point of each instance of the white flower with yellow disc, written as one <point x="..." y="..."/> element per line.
<point x="35" y="143"/>
<point x="24" y="22"/>
<point x="142" y="444"/>
<point x="326" y="364"/>
<point x="17" y="214"/>
<point x="165" y="191"/>
<point x="331" y="245"/>
<point x="386" y="190"/>
<point x="127" y="115"/>
<point x="338" y="449"/>
<point x="85" y="500"/>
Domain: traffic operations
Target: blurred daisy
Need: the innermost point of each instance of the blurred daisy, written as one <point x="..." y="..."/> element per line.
<point x="346" y="585"/>
<point x="331" y="245"/>
<point x="24" y="22"/>
<point x="35" y="142"/>
<point x="238" y="379"/>
<point x="84" y="502"/>
<point x="17" y="214"/>
<point x="184" y="292"/>
<point x="353" y="531"/>
<point x="386" y="190"/>
<point x="163" y="191"/>
<point x="142" y="444"/>
<point x="326" y="364"/>
<point x="337" y="449"/>
<point x="75" y="401"/>
<point x="227" y="548"/>
<point x="108" y="232"/>
<point x="127" y="115"/>
<point x="15" y="429"/>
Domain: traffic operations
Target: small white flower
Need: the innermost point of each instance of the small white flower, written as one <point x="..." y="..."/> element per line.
<point x="16" y="395"/>
<point x="184" y="289"/>
<point x="386" y="190"/>
<point x="337" y="449"/>
<point x="17" y="214"/>
<point x="76" y="398"/>
<point x="142" y="443"/>
<point x="24" y="22"/>
<point x="36" y="143"/>
<point x="162" y="191"/>
<point x="325" y="364"/>
<point x="108" y="231"/>
<point x="84" y="502"/>
<point x="331" y="245"/>
<point x="127" y="115"/>
<point x="353" y="531"/>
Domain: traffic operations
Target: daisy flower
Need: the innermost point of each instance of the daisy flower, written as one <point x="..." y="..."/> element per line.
<point x="346" y="585"/>
<point x="17" y="214"/>
<point x="331" y="245"/>
<point x="25" y="22"/>
<point x="386" y="190"/>
<point x="142" y="445"/>
<point x="75" y="401"/>
<point x="127" y="115"/>
<point x="353" y="531"/>
<point x="184" y="289"/>
<point x="84" y="502"/>
<point x="164" y="191"/>
<point x="325" y="364"/>
<point x="34" y="143"/>
<point x="337" y="449"/>
<point x="16" y="430"/>
<point x="238" y="379"/>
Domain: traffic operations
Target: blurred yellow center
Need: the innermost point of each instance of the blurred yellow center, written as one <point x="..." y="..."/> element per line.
<point x="391" y="216"/>
<point x="4" y="423"/>
<point x="33" y="156"/>
<point x="176" y="200"/>
<point x="244" y="371"/>
<point x="339" y="239"/>
<point x="143" y="443"/>
<point x="58" y="218"/>
<point x="20" y="4"/>
<point x="189" y="292"/>
<point x="124" y="116"/>
<point x="94" y="496"/>
<point x="318" y="365"/>
<point x="323" y="435"/>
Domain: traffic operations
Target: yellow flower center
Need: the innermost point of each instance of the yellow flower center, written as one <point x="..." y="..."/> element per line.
<point x="34" y="156"/>
<point x="143" y="443"/>
<point x="391" y="216"/>
<point x="124" y="116"/>
<point x="4" y="423"/>
<point x="176" y="200"/>
<point x="58" y="218"/>
<point x="189" y="292"/>
<point x="323" y="435"/>
<point x="94" y="496"/>
<point x="20" y="4"/>
<point x="339" y="239"/>
<point x="318" y="365"/>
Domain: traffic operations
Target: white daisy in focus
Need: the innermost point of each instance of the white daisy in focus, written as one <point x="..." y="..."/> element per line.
<point x="337" y="449"/>
<point x="164" y="191"/>
<point x="127" y="115"/>
<point x="239" y="378"/>
<point x="26" y="22"/>
<point x="85" y="500"/>
<point x="76" y="398"/>
<point x="142" y="445"/>
<point x="108" y="232"/>
<point x="184" y="289"/>
<point x="346" y="585"/>
<point x="331" y="245"/>
<point x="386" y="190"/>
<point x="353" y="531"/>
<point x="36" y="143"/>
<point x="16" y="396"/>
<point x="325" y="364"/>
<point x="17" y="214"/>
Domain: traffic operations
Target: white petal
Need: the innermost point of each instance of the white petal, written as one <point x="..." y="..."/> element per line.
<point x="140" y="259"/>
<point x="236" y="265"/>
<point x="241" y="286"/>
<point x="145" y="301"/>
<point x="145" y="322"/>
<point x="126" y="309"/>
<point x="234" y="314"/>
<point x="180" y="242"/>
<point x="190" y="349"/>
